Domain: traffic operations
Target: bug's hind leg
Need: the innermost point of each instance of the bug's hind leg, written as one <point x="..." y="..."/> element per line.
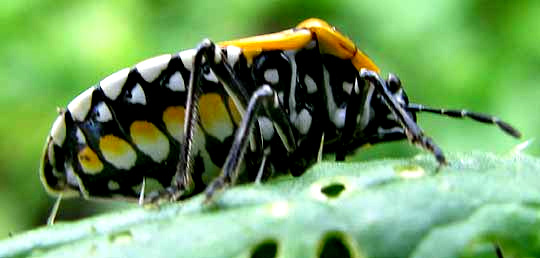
<point x="210" y="56"/>
<point x="182" y="180"/>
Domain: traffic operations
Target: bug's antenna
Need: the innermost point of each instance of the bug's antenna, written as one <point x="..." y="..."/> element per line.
<point x="462" y="113"/>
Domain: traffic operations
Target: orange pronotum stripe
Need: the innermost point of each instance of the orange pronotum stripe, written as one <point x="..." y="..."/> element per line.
<point x="330" y="41"/>
<point x="333" y="42"/>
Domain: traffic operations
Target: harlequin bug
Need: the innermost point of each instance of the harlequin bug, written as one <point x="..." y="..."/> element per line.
<point x="262" y="105"/>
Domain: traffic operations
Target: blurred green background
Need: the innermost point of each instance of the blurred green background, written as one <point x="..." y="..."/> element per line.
<point x="479" y="54"/>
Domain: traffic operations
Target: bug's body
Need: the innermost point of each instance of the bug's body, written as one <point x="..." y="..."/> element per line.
<point x="183" y="118"/>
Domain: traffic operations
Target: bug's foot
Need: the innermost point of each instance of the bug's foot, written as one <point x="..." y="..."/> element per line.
<point x="214" y="188"/>
<point x="169" y="194"/>
<point x="428" y="144"/>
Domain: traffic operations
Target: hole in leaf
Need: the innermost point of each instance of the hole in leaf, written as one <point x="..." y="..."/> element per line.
<point x="122" y="237"/>
<point x="266" y="249"/>
<point x="333" y="190"/>
<point x="333" y="245"/>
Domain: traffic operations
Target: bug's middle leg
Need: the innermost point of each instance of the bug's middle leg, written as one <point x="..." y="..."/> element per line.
<point x="263" y="99"/>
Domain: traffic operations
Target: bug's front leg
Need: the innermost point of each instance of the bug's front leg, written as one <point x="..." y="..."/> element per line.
<point x="413" y="132"/>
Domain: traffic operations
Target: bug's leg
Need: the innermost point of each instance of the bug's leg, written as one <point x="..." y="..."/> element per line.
<point x="54" y="210"/>
<point x="260" y="172"/>
<point x="182" y="178"/>
<point x="141" y="194"/>
<point x="498" y="251"/>
<point x="412" y="130"/>
<point x="356" y="98"/>
<point x="320" y="152"/>
<point x="265" y="97"/>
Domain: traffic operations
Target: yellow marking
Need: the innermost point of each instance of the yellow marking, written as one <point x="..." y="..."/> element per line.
<point x="333" y="42"/>
<point x="214" y="116"/>
<point x="236" y="116"/>
<point x="173" y="117"/>
<point x="284" y="40"/>
<point x="330" y="41"/>
<point x="89" y="161"/>
<point x="150" y="140"/>
<point x="117" y="151"/>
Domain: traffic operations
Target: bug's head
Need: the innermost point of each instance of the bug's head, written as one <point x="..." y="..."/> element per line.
<point x="383" y="124"/>
<point x="55" y="177"/>
<point x="378" y="123"/>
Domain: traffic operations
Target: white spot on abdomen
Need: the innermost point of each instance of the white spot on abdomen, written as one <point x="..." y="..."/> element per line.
<point x="271" y="76"/>
<point x="339" y="117"/>
<point x="71" y="177"/>
<point x="347" y="87"/>
<point x="211" y="76"/>
<point x="233" y="53"/>
<point x="80" y="106"/>
<point x="176" y="82"/>
<point x="267" y="128"/>
<point x="137" y="95"/>
<point x="367" y="109"/>
<point x="58" y="130"/>
<point x="303" y="121"/>
<point x="81" y="139"/>
<point x="187" y="58"/>
<point x="150" y="69"/>
<point x="310" y="84"/>
<point x="112" y="85"/>
<point x="103" y="113"/>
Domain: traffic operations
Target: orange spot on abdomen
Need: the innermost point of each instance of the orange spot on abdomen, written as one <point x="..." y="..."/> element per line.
<point x="150" y="140"/>
<point x="214" y="116"/>
<point x="173" y="117"/>
<point x="89" y="161"/>
<point x="117" y="151"/>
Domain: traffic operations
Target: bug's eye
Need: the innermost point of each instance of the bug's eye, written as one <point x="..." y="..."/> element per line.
<point x="394" y="84"/>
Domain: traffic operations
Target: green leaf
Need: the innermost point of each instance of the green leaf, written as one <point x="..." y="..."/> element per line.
<point x="385" y="208"/>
